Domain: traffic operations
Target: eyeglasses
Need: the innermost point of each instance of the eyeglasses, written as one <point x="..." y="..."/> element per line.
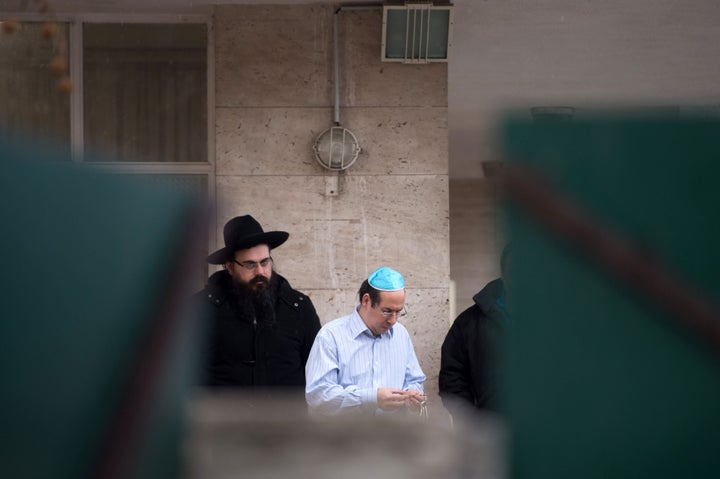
<point x="251" y="265"/>
<point x="387" y="313"/>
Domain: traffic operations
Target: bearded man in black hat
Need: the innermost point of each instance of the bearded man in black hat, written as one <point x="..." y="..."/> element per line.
<point x="261" y="329"/>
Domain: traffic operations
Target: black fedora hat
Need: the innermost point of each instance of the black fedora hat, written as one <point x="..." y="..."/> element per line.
<point x="245" y="232"/>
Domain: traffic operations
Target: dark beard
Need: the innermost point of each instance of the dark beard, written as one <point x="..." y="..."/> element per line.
<point x="256" y="299"/>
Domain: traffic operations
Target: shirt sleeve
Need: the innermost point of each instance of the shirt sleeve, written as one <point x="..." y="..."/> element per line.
<point x="414" y="376"/>
<point x="323" y="392"/>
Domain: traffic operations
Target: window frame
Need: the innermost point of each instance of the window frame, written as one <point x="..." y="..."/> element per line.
<point x="75" y="22"/>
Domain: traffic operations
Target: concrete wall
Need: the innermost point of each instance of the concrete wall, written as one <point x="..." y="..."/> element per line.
<point x="274" y="94"/>
<point x="476" y="238"/>
<point x="522" y="53"/>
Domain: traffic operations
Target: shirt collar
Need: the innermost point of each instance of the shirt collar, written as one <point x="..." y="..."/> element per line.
<point x="358" y="326"/>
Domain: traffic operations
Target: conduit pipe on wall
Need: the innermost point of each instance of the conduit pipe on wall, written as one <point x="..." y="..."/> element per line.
<point x="337" y="148"/>
<point x="336" y="53"/>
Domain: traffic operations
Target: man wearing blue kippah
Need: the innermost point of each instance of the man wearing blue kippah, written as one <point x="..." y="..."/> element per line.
<point x="365" y="363"/>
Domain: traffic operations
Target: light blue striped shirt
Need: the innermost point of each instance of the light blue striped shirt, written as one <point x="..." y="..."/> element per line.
<point x="347" y="365"/>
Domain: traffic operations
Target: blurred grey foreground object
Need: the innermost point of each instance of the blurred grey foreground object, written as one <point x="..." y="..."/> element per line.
<point x="96" y="349"/>
<point x="275" y="438"/>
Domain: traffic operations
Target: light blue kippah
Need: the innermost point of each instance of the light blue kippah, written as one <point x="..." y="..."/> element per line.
<point x="386" y="279"/>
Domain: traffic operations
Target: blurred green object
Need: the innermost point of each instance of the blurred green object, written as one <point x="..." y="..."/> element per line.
<point x="602" y="381"/>
<point x="96" y="351"/>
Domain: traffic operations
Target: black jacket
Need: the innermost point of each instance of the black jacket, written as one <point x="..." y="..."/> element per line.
<point x="248" y="352"/>
<point x="469" y="355"/>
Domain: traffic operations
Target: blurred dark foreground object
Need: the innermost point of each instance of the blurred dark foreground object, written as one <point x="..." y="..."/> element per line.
<point x="613" y="363"/>
<point x="96" y="350"/>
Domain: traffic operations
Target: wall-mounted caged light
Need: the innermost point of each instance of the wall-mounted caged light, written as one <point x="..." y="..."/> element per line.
<point x="336" y="148"/>
<point x="417" y="32"/>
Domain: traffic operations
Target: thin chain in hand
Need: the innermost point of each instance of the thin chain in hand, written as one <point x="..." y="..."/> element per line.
<point x="424" y="409"/>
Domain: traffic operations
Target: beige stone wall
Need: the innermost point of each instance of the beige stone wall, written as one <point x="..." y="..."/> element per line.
<point x="476" y="238"/>
<point x="274" y="96"/>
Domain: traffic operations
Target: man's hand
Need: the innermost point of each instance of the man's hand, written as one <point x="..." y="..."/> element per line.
<point x="414" y="399"/>
<point x="389" y="399"/>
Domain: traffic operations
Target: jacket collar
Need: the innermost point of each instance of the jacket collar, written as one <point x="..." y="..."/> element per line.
<point x="487" y="297"/>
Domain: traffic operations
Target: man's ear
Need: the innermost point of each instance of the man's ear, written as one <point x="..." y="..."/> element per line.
<point x="365" y="300"/>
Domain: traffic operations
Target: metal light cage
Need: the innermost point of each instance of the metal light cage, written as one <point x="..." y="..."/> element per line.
<point x="336" y="148"/>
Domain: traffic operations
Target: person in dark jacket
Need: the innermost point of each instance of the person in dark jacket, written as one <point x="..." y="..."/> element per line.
<point x="469" y="361"/>
<point x="260" y="329"/>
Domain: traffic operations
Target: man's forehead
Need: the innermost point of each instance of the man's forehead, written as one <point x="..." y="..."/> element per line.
<point x="260" y="249"/>
<point x="392" y="298"/>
